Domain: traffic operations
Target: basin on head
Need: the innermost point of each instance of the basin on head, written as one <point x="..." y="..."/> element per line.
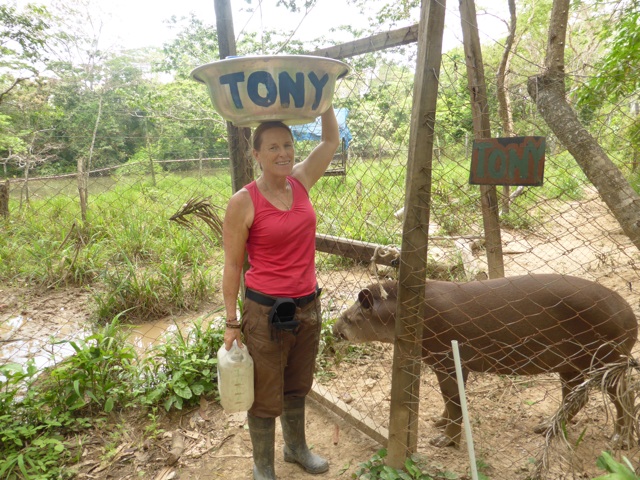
<point x="294" y="89"/>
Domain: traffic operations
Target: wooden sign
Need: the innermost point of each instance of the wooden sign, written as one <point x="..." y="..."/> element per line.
<point x="508" y="161"/>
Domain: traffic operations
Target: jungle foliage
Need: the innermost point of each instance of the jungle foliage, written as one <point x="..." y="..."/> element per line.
<point x="104" y="107"/>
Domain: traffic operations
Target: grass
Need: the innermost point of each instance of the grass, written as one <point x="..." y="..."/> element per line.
<point x="128" y="247"/>
<point x="128" y="253"/>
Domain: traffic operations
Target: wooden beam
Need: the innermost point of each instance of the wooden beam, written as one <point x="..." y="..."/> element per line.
<point x="407" y="351"/>
<point x="360" y="421"/>
<point x="361" y="251"/>
<point x="392" y="38"/>
<point x="338" y="172"/>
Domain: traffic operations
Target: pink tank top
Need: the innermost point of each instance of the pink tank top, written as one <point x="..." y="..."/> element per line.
<point x="282" y="244"/>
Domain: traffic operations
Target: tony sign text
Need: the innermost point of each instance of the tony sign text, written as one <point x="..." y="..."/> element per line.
<point x="508" y="161"/>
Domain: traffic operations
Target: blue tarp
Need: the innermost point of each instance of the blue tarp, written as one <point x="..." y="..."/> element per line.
<point x="313" y="131"/>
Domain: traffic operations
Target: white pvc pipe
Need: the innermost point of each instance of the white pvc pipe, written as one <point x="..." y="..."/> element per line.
<point x="465" y="412"/>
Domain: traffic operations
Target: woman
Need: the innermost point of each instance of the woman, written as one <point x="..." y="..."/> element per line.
<point x="273" y="221"/>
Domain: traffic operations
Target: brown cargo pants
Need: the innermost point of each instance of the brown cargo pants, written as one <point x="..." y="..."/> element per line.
<point x="283" y="362"/>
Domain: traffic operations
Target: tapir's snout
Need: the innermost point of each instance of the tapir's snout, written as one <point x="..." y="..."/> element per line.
<point x="358" y="324"/>
<point x="336" y="331"/>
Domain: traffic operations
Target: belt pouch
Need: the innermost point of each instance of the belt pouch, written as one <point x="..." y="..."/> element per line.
<point x="282" y="314"/>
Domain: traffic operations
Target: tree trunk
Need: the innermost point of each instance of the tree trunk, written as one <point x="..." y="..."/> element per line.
<point x="82" y="188"/>
<point x="635" y="110"/>
<point x="152" y="170"/>
<point x="481" y="129"/>
<point x="548" y="91"/>
<point x="25" y="187"/>
<point x="504" y="102"/>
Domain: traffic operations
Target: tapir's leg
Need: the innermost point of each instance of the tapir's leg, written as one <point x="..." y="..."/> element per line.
<point x="452" y="416"/>
<point x="441" y="421"/>
<point x="622" y="399"/>
<point x="569" y="381"/>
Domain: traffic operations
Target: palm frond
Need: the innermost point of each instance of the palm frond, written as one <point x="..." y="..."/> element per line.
<point x="200" y="208"/>
<point x="621" y="374"/>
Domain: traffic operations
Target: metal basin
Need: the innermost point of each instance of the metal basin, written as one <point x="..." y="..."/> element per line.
<point x="294" y="89"/>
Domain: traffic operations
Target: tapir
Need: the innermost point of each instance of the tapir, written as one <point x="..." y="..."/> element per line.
<point x="519" y="325"/>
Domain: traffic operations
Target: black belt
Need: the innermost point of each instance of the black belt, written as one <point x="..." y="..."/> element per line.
<point x="269" y="301"/>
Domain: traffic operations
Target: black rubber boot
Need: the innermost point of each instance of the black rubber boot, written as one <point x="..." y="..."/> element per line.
<point x="263" y="434"/>
<point x="295" y="444"/>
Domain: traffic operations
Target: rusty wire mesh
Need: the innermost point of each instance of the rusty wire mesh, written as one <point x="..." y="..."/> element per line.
<point x="562" y="227"/>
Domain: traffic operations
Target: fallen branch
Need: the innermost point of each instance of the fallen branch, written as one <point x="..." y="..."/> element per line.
<point x="217" y="447"/>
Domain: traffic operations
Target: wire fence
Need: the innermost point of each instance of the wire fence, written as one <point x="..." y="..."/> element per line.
<point x="562" y="227"/>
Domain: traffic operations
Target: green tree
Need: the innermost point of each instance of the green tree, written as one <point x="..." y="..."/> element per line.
<point x="196" y="43"/>
<point x="613" y="83"/>
<point x="23" y="36"/>
<point x="615" y="74"/>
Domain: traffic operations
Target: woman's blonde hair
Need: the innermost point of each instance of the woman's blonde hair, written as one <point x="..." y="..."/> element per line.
<point x="256" y="138"/>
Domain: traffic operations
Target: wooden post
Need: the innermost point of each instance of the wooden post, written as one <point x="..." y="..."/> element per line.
<point x="82" y="188"/>
<point x="238" y="138"/>
<point x="482" y="129"/>
<point x="152" y="169"/>
<point x="25" y="185"/>
<point x="407" y="353"/>
<point x="4" y="199"/>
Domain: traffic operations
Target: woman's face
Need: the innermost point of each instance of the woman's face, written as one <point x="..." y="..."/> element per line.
<point x="276" y="153"/>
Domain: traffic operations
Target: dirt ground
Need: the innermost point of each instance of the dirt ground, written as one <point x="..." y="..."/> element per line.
<point x="582" y="239"/>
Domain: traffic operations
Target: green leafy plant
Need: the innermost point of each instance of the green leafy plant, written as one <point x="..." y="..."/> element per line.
<point x="616" y="470"/>
<point x="41" y="412"/>
<point x="183" y="368"/>
<point x="152" y="429"/>
<point x="375" y="468"/>
<point x="32" y="433"/>
<point x="97" y="377"/>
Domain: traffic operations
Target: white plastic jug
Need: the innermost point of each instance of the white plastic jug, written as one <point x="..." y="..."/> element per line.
<point x="235" y="378"/>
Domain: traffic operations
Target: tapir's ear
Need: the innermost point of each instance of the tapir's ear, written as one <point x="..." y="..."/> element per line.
<point x="365" y="297"/>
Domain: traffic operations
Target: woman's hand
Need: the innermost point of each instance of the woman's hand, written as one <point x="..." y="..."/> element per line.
<point x="231" y="334"/>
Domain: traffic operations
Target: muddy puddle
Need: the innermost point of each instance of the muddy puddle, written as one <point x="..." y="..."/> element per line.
<point x="21" y="339"/>
<point x="47" y="342"/>
<point x="146" y="336"/>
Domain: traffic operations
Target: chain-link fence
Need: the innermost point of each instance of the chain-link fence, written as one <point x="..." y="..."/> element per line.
<point x="562" y="227"/>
